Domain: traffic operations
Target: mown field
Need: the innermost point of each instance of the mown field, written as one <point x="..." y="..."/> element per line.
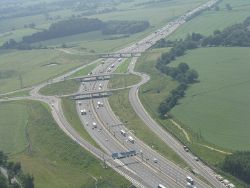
<point x="53" y="158"/>
<point x="21" y="69"/>
<point x="209" y="21"/>
<point x="219" y="102"/>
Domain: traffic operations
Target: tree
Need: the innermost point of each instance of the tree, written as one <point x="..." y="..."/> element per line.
<point x="183" y="67"/>
<point x="3" y="182"/>
<point x="228" y="7"/>
<point x="27" y="181"/>
<point x="3" y="158"/>
<point x="191" y="76"/>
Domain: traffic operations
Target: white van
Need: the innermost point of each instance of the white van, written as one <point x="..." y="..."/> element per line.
<point x="190" y="180"/>
<point x="130" y="139"/>
<point x="123" y="133"/>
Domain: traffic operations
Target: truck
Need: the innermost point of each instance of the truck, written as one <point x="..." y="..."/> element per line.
<point x="131" y="139"/>
<point x="120" y="155"/>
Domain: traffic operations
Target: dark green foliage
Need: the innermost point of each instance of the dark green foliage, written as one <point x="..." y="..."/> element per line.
<point x="76" y="26"/>
<point x="65" y="28"/>
<point x="124" y="27"/>
<point x="27" y="181"/>
<point x="238" y="165"/>
<point x="3" y="182"/>
<point x="3" y="159"/>
<point x="14" y="169"/>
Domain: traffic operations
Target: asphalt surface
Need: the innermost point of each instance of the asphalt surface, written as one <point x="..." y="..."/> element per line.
<point x="148" y="168"/>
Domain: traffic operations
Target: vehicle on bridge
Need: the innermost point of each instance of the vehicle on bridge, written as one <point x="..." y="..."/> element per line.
<point x="120" y="155"/>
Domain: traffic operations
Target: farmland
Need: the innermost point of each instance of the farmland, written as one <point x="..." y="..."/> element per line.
<point x="51" y="155"/>
<point x="219" y="101"/>
<point x="212" y="20"/>
<point x="20" y="69"/>
<point x="155" y="91"/>
<point x="157" y="14"/>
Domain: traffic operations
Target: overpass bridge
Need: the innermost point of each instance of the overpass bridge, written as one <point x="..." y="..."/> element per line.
<point x="91" y="95"/>
<point x="120" y="55"/>
<point x="97" y="77"/>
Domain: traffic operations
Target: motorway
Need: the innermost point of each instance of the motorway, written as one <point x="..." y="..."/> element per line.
<point x="148" y="168"/>
<point x="107" y="132"/>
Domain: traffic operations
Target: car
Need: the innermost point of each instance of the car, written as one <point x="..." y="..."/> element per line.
<point x="155" y="160"/>
<point x="196" y="158"/>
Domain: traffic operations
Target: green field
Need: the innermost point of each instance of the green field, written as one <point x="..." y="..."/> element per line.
<point x="156" y="90"/>
<point x="119" y="103"/>
<point x="54" y="159"/>
<point x="12" y="127"/>
<point x="157" y="14"/>
<point x="120" y="81"/>
<point x="209" y="21"/>
<point x="219" y="102"/>
<point x="61" y="88"/>
<point x="21" y="69"/>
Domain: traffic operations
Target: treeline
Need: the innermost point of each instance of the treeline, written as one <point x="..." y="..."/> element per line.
<point x="16" y="178"/>
<point x="65" y="28"/>
<point x="77" y="26"/>
<point x="238" y="164"/>
<point x="235" y="35"/>
<point x="182" y="73"/>
<point x="124" y="27"/>
<point x="185" y="76"/>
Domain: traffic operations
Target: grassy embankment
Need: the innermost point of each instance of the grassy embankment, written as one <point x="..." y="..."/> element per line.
<point x="53" y="158"/>
<point x="20" y="69"/>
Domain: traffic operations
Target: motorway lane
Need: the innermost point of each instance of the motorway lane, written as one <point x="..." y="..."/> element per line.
<point x="166" y="167"/>
<point x="153" y="177"/>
